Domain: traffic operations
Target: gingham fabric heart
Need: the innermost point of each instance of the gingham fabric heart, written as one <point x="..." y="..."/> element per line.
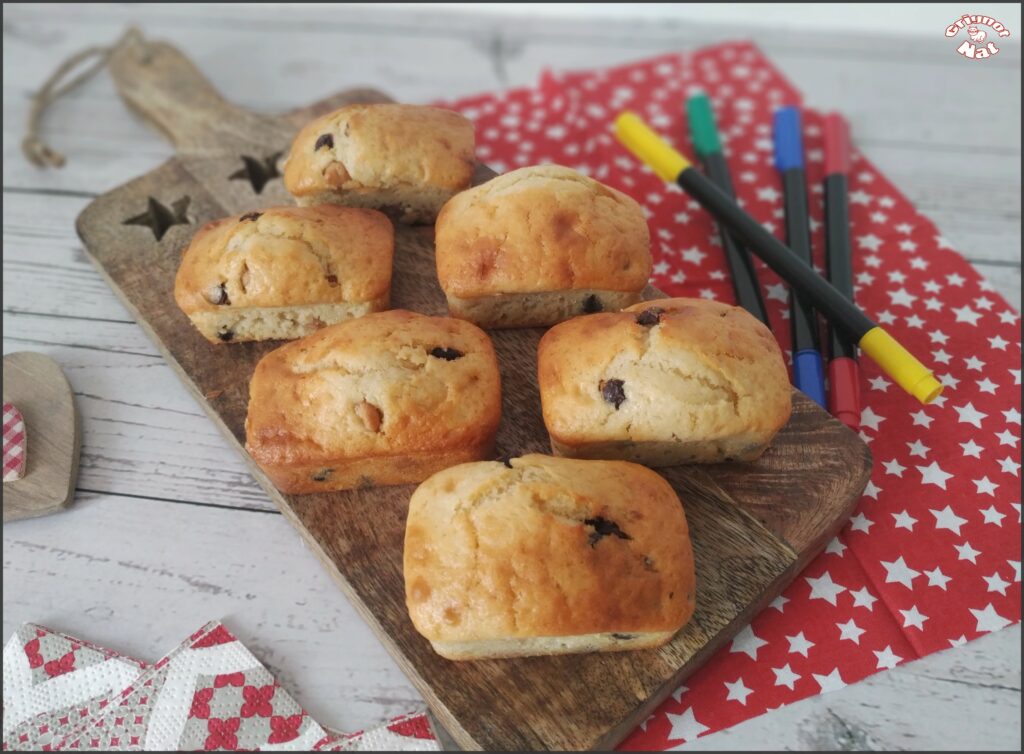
<point x="15" y="443"/>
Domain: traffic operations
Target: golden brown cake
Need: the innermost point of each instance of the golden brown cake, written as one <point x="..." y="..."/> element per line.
<point x="663" y="383"/>
<point x="540" y="555"/>
<point x="539" y="245"/>
<point x="406" y="160"/>
<point x="285" y="272"/>
<point x="389" y="398"/>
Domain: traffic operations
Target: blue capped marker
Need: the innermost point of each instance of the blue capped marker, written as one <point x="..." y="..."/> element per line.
<point x="808" y="373"/>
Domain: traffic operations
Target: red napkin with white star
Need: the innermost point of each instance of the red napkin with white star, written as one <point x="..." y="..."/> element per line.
<point x="931" y="558"/>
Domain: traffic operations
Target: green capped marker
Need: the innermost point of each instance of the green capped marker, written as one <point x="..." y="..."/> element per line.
<point x="708" y="145"/>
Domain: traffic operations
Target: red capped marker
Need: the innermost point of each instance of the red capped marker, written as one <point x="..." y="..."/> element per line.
<point x="843" y="369"/>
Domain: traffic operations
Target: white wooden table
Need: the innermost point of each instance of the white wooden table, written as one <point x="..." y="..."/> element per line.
<point x="168" y="530"/>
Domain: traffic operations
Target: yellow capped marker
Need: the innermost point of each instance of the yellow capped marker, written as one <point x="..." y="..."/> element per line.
<point x="895" y="360"/>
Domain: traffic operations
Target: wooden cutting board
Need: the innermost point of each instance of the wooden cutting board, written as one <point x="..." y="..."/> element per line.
<point x="754" y="526"/>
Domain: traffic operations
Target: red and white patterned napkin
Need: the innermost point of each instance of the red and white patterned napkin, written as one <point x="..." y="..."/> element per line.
<point x="931" y="557"/>
<point x="211" y="693"/>
<point x="15" y="443"/>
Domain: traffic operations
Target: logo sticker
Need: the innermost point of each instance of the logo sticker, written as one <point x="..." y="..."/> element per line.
<point x="980" y="42"/>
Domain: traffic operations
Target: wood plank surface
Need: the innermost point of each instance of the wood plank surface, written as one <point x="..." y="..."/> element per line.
<point x="152" y="461"/>
<point x="742" y="542"/>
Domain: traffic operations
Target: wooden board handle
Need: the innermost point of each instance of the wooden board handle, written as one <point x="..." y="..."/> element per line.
<point x="159" y="82"/>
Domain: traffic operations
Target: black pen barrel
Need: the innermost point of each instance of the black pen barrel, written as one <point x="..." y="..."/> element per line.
<point x="838" y="258"/>
<point x="776" y="254"/>
<point x="741" y="266"/>
<point x="798" y="238"/>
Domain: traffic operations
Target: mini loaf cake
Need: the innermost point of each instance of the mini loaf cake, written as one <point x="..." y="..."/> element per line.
<point x="406" y="160"/>
<point x="285" y="272"/>
<point x="389" y="398"/>
<point x="663" y="383"/>
<point x="539" y="245"/>
<point x="539" y="556"/>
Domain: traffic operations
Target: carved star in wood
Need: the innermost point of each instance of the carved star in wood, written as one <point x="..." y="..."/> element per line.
<point x="159" y="217"/>
<point x="258" y="171"/>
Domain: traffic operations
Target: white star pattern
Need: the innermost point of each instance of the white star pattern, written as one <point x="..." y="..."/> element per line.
<point x="986" y="486"/>
<point x="887" y="659"/>
<point x="685" y="726"/>
<point x="995" y="583"/>
<point x="988" y="619"/>
<point x="966" y="552"/>
<point x="913" y="618"/>
<point x="747" y="642"/>
<point x="986" y="385"/>
<point x="971" y="448"/>
<point x="970" y="415"/>
<point x="932" y="474"/>
<point x="967" y="314"/>
<point x="918" y="448"/>
<point x="947" y="519"/>
<point x="863" y="598"/>
<point x="921" y="419"/>
<point x="850" y="631"/>
<point x="835" y="547"/>
<point x="904" y="520"/>
<point x="992" y="516"/>
<point x="823" y="588"/>
<point x="898" y="572"/>
<point x="902" y="297"/>
<point x="860" y="522"/>
<point x="799" y="644"/>
<point x="937" y="578"/>
<point x="777" y="292"/>
<point x="737" y="691"/>
<point x="1006" y="437"/>
<point x="893" y="467"/>
<point x="870" y="419"/>
<point x="694" y="255"/>
<point x="785" y="676"/>
<point x="831" y="682"/>
<point x="1009" y="466"/>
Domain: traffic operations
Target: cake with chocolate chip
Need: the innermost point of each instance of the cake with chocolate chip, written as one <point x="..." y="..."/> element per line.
<point x="663" y="383"/>
<point x="540" y="245"/>
<point x="285" y="272"/>
<point x="406" y="160"/>
<point x="540" y="556"/>
<point x="389" y="398"/>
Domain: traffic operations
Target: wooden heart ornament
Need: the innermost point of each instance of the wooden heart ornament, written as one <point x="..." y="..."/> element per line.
<point x="36" y="386"/>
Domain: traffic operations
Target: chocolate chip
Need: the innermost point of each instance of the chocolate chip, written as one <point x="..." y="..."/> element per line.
<point x="332" y="279"/>
<point x="623" y="637"/>
<point x="650" y="317"/>
<point x="218" y="295"/>
<point x="448" y="354"/>
<point x="592" y="304"/>
<point x="322" y="475"/>
<point x="226" y="335"/>
<point x="325" y="140"/>
<point x="507" y="460"/>
<point x="612" y="392"/>
<point x="254" y="216"/>
<point x="604" y="528"/>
